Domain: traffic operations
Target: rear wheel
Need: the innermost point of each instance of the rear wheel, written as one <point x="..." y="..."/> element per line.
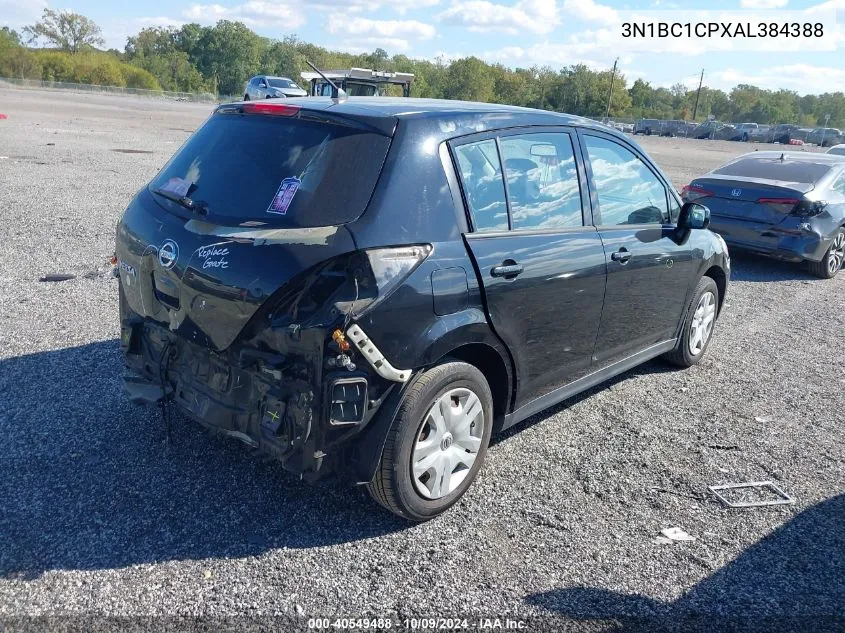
<point x="437" y="442"/>
<point x="833" y="259"/>
<point x="699" y="321"/>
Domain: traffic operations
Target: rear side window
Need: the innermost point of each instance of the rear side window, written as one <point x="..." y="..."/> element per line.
<point x="628" y="191"/>
<point x="277" y="170"/>
<point x="542" y="179"/>
<point x="481" y="173"/>
<point x="787" y="170"/>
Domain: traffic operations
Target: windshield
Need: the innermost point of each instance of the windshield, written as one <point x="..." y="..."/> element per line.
<point x="281" y="83"/>
<point x="276" y="170"/>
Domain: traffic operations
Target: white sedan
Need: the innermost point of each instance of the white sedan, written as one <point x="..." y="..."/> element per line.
<point x="837" y="149"/>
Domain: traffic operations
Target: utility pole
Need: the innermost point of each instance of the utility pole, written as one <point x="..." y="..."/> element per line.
<point x="697" y="95"/>
<point x="610" y="92"/>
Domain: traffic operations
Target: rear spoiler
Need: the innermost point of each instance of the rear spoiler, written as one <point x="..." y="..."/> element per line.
<point x="383" y="125"/>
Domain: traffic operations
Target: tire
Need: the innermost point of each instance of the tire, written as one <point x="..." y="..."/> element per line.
<point x="648" y="132"/>
<point x="682" y="355"/>
<point x="832" y="262"/>
<point x="395" y="485"/>
<point x="745" y="138"/>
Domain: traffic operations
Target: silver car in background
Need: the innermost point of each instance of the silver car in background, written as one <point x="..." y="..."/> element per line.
<point x="837" y="150"/>
<point x="269" y="87"/>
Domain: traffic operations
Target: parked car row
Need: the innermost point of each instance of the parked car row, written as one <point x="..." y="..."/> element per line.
<point x="785" y="134"/>
<point x="664" y="127"/>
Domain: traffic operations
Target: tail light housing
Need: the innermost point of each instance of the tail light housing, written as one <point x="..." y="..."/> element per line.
<point x="809" y="208"/>
<point x="389" y="267"/>
<point x="691" y="193"/>
<point x="781" y="205"/>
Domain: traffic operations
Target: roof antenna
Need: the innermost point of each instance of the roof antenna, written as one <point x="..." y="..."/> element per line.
<point x="338" y="94"/>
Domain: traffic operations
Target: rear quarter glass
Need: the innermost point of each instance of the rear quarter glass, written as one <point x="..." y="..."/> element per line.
<point x="242" y="167"/>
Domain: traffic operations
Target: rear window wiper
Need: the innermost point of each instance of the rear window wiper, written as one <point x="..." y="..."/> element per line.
<point x="197" y="206"/>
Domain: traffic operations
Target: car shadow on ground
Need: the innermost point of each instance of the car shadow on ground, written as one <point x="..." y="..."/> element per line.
<point x="88" y="483"/>
<point x="656" y="366"/>
<point x="791" y="580"/>
<point x="750" y="267"/>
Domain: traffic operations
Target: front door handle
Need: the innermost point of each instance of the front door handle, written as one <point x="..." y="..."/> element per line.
<point x="508" y="269"/>
<point x="622" y="256"/>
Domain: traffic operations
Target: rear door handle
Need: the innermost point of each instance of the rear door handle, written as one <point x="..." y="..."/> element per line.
<point x="508" y="271"/>
<point x="622" y="256"/>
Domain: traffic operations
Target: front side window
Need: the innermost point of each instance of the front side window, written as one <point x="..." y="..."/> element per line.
<point x="484" y="189"/>
<point x="542" y="179"/>
<point x="628" y="191"/>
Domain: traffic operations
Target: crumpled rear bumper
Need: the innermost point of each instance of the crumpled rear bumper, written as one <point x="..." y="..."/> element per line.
<point x="284" y="403"/>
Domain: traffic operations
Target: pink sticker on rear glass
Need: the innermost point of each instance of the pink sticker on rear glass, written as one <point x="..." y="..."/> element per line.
<point x="284" y="196"/>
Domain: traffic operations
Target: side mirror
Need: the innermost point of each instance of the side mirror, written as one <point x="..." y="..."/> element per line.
<point x="694" y="216"/>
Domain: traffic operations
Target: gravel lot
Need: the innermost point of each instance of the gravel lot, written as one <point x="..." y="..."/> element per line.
<point x="98" y="518"/>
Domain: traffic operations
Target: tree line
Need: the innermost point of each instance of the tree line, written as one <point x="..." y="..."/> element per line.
<point x="219" y="59"/>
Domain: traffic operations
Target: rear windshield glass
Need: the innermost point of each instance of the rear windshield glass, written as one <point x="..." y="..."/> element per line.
<point x="277" y="170"/>
<point x="282" y="83"/>
<point x="785" y="170"/>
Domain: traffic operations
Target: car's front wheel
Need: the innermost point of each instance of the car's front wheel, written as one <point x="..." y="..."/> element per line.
<point x="437" y="442"/>
<point x="699" y="321"/>
<point x="833" y="259"/>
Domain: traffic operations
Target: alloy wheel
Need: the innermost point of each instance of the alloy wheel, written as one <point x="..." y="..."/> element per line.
<point x="836" y="257"/>
<point x="702" y="323"/>
<point x="447" y="443"/>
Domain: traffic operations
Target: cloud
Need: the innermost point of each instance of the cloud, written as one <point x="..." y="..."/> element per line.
<point x="364" y="34"/>
<point x="255" y="13"/>
<point x="543" y="54"/>
<point x="763" y="4"/>
<point x="535" y="16"/>
<point x="352" y="6"/>
<point x="802" y="78"/>
<point x="365" y="27"/>
<point x="590" y="11"/>
<point x="16" y="14"/>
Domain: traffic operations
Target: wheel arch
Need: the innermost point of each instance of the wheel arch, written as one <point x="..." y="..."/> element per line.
<point x="717" y="274"/>
<point x="489" y="361"/>
<point x="470" y="344"/>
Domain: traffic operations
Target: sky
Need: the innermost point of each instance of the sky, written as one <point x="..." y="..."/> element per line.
<point x="519" y="33"/>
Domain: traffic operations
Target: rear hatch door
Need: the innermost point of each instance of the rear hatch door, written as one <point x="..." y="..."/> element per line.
<point x="270" y="193"/>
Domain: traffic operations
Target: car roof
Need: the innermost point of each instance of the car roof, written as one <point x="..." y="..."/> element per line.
<point x="415" y="108"/>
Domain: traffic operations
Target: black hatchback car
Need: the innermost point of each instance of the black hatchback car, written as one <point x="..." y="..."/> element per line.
<point x="785" y="205"/>
<point x="375" y="286"/>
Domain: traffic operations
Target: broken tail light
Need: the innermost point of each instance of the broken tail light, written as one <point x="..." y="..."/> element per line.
<point x="809" y="208"/>
<point x="691" y="193"/>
